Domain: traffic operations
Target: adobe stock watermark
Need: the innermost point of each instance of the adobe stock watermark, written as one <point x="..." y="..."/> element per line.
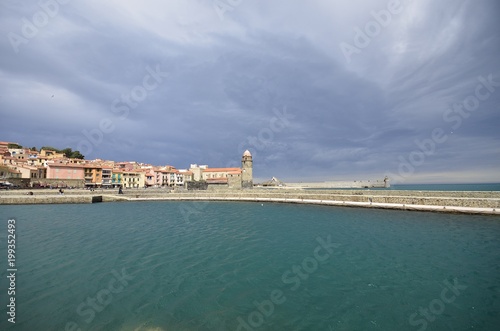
<point x="294" y="276"/>
<point x="121" y="107"/>
<point x="103" y="298"/>
<point x="192" y="207"/>
<point x="223" y="6"/>
<point x="266" y="135"/>
<point x="31" y="27"/>
<point x="363" y="37"/>
<point x="436" y="307"/>
<point x="276" y="124"/>
<point x="454" y="115"/>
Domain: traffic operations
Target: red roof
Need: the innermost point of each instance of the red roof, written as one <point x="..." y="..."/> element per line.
<point x="234" y="170"/>
<point x="70" y="165"/>
<point x="92" y="166"/>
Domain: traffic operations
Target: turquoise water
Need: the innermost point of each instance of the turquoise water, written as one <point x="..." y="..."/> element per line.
<point x="447" y="187"/>
<point x="162" y="266"/>
<point x="433" y="187"/>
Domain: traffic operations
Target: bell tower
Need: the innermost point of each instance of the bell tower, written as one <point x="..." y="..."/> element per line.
<point x="246" y="170"/>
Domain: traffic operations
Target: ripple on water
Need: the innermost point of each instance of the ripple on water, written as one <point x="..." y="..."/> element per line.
<point x="205" y="273"/>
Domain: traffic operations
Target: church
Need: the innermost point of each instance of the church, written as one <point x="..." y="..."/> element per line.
<point x="232" y="178"/>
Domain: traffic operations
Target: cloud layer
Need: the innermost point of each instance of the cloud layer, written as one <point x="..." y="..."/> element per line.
<point x="363" y="84"/>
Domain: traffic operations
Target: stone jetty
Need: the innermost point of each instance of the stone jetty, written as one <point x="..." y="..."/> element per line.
<point x="474" y="202"/>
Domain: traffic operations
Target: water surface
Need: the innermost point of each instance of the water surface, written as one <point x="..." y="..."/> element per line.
<point x="205" y="266"/>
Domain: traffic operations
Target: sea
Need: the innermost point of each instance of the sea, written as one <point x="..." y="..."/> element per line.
<point x="447" y="187"/>
<point x="482" y="187"/>
<point x="163" y="266"/>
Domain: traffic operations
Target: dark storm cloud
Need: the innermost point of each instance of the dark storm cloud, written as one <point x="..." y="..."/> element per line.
<point x="223" y="83"/>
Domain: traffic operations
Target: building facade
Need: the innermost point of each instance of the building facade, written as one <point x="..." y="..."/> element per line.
<point x="233" y="178"/>
<point x="64" y="171"/>
<point x="51" y="168"/>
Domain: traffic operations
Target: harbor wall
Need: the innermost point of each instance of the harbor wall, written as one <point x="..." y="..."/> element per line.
<point x="423" y="198"/>
<point x="483" y="202"/>
<point x="43" y="199"/>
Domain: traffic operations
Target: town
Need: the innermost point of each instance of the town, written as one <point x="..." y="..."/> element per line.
<point x="51" y="168"/>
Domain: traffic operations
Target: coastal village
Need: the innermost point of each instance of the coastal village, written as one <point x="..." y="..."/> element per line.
<point x="62" y="169"/>
<point x="47" y="168"/>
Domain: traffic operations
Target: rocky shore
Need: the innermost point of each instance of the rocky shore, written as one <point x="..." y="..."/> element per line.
<point x="440" y="201"/>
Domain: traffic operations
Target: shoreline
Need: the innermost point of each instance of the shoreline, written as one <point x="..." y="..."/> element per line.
<point x="463" y="202"/>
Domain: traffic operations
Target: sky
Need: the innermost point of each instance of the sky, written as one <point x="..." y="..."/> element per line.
<point x="317" y="90"/>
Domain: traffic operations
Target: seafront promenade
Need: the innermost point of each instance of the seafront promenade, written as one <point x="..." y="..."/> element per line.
<point x="473" y="202"/>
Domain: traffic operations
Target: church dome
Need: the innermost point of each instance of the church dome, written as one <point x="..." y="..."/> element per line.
<point x="247" y="153"/>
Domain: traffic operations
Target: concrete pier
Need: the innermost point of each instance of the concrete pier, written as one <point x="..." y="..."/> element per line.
<point x="43" y="199"/>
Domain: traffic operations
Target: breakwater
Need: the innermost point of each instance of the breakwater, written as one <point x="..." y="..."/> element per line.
<point x="47" y="199"/>
<point x="442" y="201"/>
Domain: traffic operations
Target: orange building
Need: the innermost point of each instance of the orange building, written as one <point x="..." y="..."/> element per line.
<point x="92" y="175"/>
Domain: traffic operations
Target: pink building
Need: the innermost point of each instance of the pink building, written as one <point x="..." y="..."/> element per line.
<point x="64" y="171"/>
<point x="150" y="179"/>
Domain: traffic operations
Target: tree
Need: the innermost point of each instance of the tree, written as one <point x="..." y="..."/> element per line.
<point x="33" y="149"/>
<point x="77" y="155"/>
<point x="68" y="152"/>
<point x="13" y="145"/>
<point x="49" y="148"/>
